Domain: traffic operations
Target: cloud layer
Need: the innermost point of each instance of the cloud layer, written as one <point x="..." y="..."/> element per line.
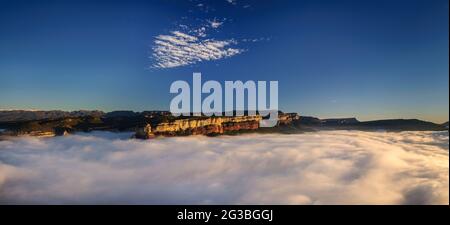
<point x="334" y="167"/>
<point x="192" y="39"/>
<point x="180" y="49"/>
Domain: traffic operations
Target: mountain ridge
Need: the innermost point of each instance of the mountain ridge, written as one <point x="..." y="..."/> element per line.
<point x="148" y="124"/>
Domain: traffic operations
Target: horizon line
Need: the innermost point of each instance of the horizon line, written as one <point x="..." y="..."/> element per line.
<point x="159" y="110"/>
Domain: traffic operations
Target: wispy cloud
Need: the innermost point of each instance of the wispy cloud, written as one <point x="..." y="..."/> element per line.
<point x="181" y="49"/>
<point x="192" y="41"/>
<point x="233" y="2"/>
<point x="333" y="167"/>
<point x="256" y="39"/>
<point x="215" y="23"/>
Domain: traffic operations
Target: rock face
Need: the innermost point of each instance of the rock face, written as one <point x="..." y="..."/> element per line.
<point x="200" y="126"/>
<point x="287" y="118"/>
<point x="149" y="124"/>
<point x="40" y="134"/>
<point x="61" y="131"/>
<point x="144" y="132"/>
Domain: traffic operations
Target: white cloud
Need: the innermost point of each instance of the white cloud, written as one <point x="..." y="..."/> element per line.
<point x="200" y="32"/>
<point x="233" y="2"/>
<point x="215" y="23"/>
<point x="180" y="49"/>
<point x="256" y="39"/>
<point x="191" y="44"/>
<point x="333" y="167"/>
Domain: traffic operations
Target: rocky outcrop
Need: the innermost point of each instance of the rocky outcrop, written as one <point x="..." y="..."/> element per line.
<point x="287" y="118"/>
<point x="149" y="124"/>
<point x="39" y="134"/>
<point x="200" y="126"/>
<point x="144" y="132"/>
<point x="62" y="131"/>
<point x="57" y="131"/>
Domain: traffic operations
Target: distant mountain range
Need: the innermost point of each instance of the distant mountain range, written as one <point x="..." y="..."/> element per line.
<point x="388" y="124"/>
<point x="26" y="115"/>
<point x="445" y="124"/>
<point x="147" y="124"/>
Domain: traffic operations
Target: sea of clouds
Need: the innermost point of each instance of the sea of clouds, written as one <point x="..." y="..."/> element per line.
<point x="329" y="167"/>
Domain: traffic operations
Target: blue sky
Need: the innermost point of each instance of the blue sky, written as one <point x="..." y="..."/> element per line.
<point x="332" y="58"/>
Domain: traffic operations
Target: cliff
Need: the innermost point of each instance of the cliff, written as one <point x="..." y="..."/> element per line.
<point x="287" y="118"/>
<point x="200" y="126"/>
<point x="149" y="124"/>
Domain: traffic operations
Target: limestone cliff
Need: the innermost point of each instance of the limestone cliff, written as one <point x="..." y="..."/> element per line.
<point x="146" y="125"/>
<point x="287" y="118"/>
<point x="200" y="125"/>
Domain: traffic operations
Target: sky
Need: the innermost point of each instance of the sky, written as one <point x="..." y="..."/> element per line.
<point x="332" y="58"/>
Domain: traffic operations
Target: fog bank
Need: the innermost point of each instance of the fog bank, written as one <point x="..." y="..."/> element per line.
<point x="331" y="167"/>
